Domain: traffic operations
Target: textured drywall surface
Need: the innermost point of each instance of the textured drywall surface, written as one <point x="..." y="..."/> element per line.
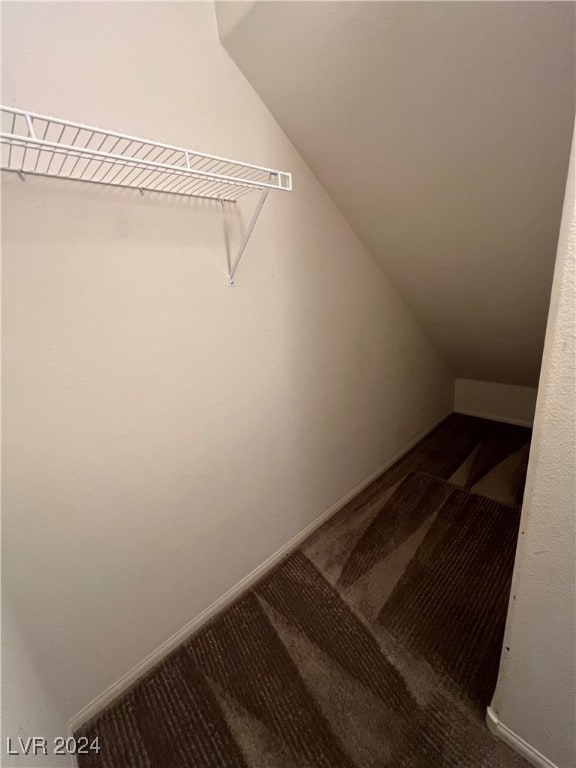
<point x="502" y="402"/>
<point x="537" y="682"/>
<point x="164" y="433"/>
<point x="28" y="709"/>
<point x="442" y="131"/>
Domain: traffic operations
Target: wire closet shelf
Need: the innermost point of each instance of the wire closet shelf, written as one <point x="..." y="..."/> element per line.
<point x="48" y="146"/>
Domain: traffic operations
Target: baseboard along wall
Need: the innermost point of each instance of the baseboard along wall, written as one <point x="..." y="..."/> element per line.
<point x="498" y="402"/>
<point x="139" y="670"/>
<point x="518" y="744"/>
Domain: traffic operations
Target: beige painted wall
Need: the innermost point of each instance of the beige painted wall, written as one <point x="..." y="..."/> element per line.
<point x="164" y="434"/>
<point x="28" y="708"/>
<point x="491" y="400"/>
<point x="537" y="683"/>
<point x="442" y="131"/>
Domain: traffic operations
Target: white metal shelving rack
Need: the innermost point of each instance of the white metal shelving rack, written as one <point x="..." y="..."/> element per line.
<point x="48" y="146"/>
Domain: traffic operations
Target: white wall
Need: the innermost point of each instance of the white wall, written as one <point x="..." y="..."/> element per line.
<point x="164" y="433"/>
<point x="28" y="709"/>
<point x="492" y="400"/>
<point x="442" y="131"/>
<point x="535" y="693"/>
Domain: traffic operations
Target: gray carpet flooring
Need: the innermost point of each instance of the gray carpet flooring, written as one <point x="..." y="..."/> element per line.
<point x="375" y="645"/>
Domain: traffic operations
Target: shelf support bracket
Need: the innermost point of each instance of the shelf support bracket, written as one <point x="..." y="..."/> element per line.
<point x="247" y="234"/>
<point x="31" y="133"/>
<point x="113" y="159"/>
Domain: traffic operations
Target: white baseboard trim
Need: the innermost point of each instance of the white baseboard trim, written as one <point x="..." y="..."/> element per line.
<point x="497" y="727"/>
<point x="73" y="757"/>
<point x="494" y="417"/>
<point x="127" y="680"/>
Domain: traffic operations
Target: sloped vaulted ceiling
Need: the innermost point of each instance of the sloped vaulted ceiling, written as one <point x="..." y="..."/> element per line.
<point x="442" y="131"/>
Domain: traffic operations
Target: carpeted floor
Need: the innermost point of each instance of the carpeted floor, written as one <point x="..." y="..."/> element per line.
<point x="375" y="645"/>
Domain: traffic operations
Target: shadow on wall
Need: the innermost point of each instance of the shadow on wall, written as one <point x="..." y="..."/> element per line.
<point x="165" y="434"/>
<point x="151" y="398"/>
<point x="364" y="379"/>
